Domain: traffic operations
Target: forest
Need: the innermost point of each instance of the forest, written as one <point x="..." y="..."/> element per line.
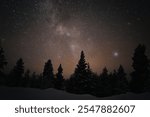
<point x="83" y="80"/>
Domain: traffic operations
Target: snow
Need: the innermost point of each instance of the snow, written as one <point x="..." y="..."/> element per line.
<point x="47" y="94"/>
<point x="12" y="93"/>
<point x="130" y="96"/>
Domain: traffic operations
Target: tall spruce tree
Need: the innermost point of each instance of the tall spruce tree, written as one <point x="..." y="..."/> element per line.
<point x="122" y="82"/>
<point x="140" y="75"/>
<point x="59" y="81"/>
<point x="104" y="82"/>
<point x="114" y="82"/>
<point x="78" y="82"/>
<point x="48" y="75"/>
<point x="59" y="73"/>
<point x="16" y="75"/>
<point x="81" y="68"/>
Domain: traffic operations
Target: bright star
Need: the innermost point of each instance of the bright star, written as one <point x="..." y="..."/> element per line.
<point x="115" y="54"/>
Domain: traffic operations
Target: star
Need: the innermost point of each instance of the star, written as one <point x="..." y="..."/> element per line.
<point x="115" y="54"/>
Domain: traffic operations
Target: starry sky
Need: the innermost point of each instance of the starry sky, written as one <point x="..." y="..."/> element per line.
<point x="107" y="31"/>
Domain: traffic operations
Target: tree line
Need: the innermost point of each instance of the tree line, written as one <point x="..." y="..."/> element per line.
<point x="83" y="80"/>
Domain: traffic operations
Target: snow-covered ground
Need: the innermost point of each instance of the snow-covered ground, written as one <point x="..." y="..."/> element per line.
<point x="53" y="94"/>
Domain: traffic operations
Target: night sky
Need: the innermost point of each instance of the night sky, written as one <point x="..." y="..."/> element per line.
<point x="107" y="31"/>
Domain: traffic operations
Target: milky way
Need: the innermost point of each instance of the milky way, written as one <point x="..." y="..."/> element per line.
<point x="106" y="30"/>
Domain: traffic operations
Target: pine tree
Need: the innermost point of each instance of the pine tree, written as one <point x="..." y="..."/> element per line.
<point x="114" y="82"/>
<point x="48" y="75"/>
<point x="122" y="82"/>
<point x="16" y="75"/>
<point x="140" y="75"/>
<point x="59" y="73"/>
<point x="79" y="80"/>
<point x="59" y="78"/>
<point x="81" y="69"/>
<point x="104" y="74"/>
<point x="104" y="86"/>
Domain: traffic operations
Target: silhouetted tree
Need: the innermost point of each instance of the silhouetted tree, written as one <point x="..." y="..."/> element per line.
<point x="59" y="78"/>
<point x="36" y="80"/>
<point x="114" y="82"/>
<point x="81" y="68"/>
<point x="3" y="63"/>
<point x="140" y="75"/>
<point x="16" y="74"/>
<point x="59" y="73"/>
<point x="48" y="75"/>
<point x="122" y="82"/>
<point x="79" y="81"/>
<point x="103" y="87"/>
